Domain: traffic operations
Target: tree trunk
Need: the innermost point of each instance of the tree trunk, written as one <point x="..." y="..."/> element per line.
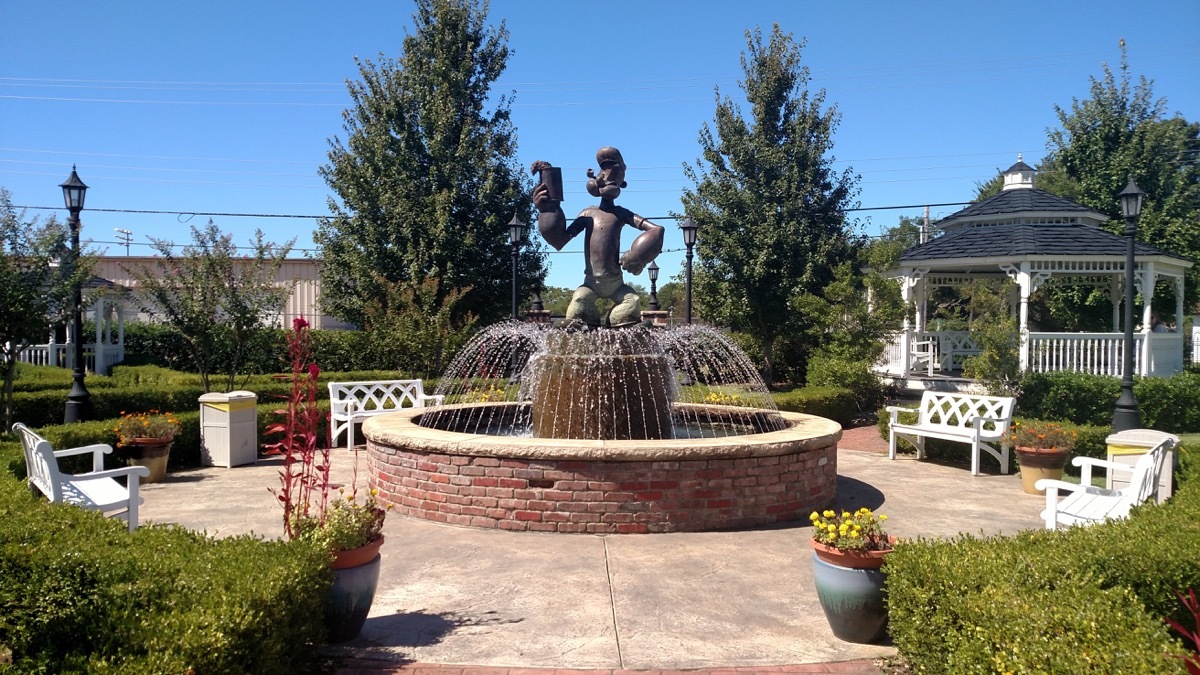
<point x="768" y="346"/>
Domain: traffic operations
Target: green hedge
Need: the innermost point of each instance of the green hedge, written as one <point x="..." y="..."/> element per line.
<point x="1169" y="404"/>
<point x="82" y="594"/>
<point x="1086" y="599"/>
<point x="184" y="453"/>
<point x="836" y="403"/>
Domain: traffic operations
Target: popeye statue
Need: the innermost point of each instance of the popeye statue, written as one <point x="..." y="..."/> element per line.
<point x="603" y="223"/>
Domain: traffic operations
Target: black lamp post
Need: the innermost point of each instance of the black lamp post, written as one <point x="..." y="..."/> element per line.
<point x="516" y="232"/>
<point x="652" y="272"/>
<point x="79" y="401"/>
<point x="1126" y="415"/>
<point x="689" y="228"/>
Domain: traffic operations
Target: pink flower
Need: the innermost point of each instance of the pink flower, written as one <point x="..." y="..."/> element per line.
<point x="299" y="323"/>
<point x="313" y="370"/>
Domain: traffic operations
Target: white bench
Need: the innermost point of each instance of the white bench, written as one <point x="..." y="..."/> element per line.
<point x="965" y="418"/>
<point x="97" y="490"/>
<point x="1085" y="504"/>
<point x="353" y="402"/>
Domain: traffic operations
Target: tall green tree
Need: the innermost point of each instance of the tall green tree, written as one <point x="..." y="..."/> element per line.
<point x="427" y="177"/>
<point x="770" y="206"/>
<point x="1123" y="131"/>
<point x="217" y="298"/>
<point x="34" y="289"/>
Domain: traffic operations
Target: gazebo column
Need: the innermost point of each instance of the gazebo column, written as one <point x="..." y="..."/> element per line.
<point x="1148" y="280"/>
<point x="98" y="365"/>
<point x="1025" y="284"/>
<point x="120" y="331"/>
<point x="906" y="287"/>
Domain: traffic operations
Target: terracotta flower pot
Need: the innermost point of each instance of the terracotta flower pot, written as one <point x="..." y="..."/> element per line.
<point x="151" y="453"/>
<point x="1039" y="463"/>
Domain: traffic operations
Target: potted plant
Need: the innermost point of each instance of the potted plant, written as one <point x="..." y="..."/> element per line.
<point x="313" y="511"/>
<point x="848" y="553"/>
<point x="1042" y="450"/>
<point x="145" y="439"/>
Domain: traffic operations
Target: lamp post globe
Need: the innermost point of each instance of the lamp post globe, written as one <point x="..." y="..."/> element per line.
<point x="1126" y="415"/>
<point x="78" y="399"/>
<point x="689" y="228"/>
<point x="652" y="272"/>
<point x="516" y="233"/>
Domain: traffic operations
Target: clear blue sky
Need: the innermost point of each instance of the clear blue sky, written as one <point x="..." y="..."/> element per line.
<point x="228" y="106"/>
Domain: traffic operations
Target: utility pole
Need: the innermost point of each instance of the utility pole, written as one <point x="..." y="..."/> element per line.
<point x="925" y="227"/>
<point x="124" y="236"/>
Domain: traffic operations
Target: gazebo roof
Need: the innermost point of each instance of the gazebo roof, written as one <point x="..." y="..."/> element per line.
<point x="1014" y="240"/>
<point x="1014" y="202"/>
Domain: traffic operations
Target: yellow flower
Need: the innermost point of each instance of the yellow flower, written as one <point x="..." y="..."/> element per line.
<point x="829" y="514"/>
<point x="845" y="514"/>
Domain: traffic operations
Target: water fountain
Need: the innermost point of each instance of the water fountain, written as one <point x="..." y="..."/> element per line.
<point x="606" y="431"/>
<point x="602" y="430"/>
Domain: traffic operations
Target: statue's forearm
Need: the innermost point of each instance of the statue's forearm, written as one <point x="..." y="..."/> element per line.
<point x="553" y="226"/>
<point x="644" y="248"/>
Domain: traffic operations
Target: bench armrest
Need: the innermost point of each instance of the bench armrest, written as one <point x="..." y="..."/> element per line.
<point x="112" y="473"/>
<point x="98" y="451"/>
<point x="1086" y="465"/>
<point x="895" y="410"/>
<point x="436" y="399"/>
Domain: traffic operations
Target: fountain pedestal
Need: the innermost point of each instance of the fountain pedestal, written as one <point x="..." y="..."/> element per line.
<point x="616" y="389"/>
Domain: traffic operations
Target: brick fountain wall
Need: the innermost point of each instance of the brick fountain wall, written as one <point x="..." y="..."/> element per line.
<point x="543" y="485"/>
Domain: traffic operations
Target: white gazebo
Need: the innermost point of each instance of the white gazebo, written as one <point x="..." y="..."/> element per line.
<point x="1038" y="240"/>
<point x="109" y="304"/>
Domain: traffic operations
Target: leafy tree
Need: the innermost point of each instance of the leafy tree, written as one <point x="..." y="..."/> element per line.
<point x="770" y="206"/>
<point x="33" y="288"/>
<point x="998" y="365"/>
<point x="883" y="254"/>
<point x="672" y="296"/>
<point x="851" y="332"/>
<point x="413" y="331"/>
<point x="212" y="296"/>
<point x="1122" y="131"/>
<point x="427" y="178"/>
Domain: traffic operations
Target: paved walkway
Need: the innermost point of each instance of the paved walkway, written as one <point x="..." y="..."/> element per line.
<point x="462" y="601"/>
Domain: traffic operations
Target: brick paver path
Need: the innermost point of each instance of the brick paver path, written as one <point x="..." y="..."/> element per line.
<point x="367" y="667"/>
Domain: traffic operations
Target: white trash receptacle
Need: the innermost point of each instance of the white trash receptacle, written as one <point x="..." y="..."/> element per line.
<point x="228" y="428"/>
<point x="1127" y="447"/>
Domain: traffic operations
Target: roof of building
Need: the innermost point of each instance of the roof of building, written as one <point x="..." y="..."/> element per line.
<point x="1013" y="202"/>
<point x="1025" y="239"/>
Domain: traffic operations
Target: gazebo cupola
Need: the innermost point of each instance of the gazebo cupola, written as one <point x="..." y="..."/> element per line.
<point x="1019" y="176"/>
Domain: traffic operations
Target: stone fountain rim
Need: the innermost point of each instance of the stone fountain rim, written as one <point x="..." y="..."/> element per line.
<point x="400" y="429"/>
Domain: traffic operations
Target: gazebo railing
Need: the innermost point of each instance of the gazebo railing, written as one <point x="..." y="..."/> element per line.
<point x="1095" y="353"/>
<point x="63" y="356"/>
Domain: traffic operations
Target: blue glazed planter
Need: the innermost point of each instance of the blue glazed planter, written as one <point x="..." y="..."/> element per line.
<point x="349" y="600"/>
<point x="853" y="600"/>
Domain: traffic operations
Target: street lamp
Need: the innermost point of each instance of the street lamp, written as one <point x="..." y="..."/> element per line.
<point x="1126" y="415"/>
<point x="516" y="232"/>
<point x="689" y="228"/>
<point x="652" y="272"/>
<point x="78" y="399"/>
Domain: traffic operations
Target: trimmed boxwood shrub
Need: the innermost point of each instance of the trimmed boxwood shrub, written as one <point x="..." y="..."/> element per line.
<point x="82" y="594"/>
<point x="1087" y="599"/>
<point x="1169" y="404"/>
<point x="836" y="403"/>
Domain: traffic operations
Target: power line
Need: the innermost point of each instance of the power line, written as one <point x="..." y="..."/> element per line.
<point x="308" y="217"/>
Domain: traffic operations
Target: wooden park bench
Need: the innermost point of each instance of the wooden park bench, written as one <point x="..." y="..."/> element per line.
<point x="351" y="403"/>
<point x="97" y="490"/>
<point x="977" y="421"/>
<point x="1085" y="504"/>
